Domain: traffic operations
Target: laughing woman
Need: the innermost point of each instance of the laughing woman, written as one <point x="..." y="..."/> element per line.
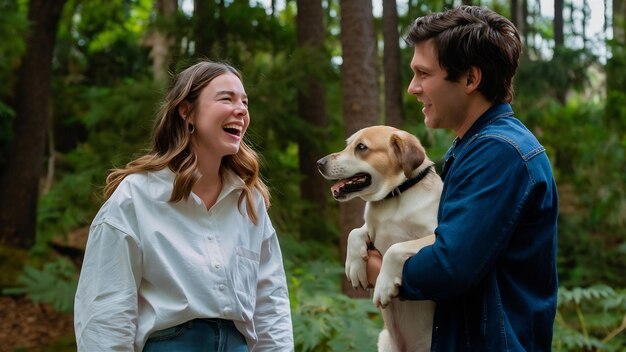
<point x="182" y="256"/>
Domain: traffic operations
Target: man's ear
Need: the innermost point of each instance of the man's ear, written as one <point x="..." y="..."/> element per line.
<point x="474" y="75"/>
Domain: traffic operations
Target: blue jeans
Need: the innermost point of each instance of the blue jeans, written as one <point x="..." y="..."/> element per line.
<point x="198" y="335"/>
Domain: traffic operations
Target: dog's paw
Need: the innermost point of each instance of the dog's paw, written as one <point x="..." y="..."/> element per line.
<point x="386" y="289"/>
<point x="390" y="278"/>
<point x="356" y="257"/>
<point x="357" y="273"/>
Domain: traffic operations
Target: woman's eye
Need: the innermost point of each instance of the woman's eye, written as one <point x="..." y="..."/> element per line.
<point x="361" y="147"/>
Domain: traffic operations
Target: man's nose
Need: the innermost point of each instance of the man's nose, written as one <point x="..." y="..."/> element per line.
<point x="413" y="88"/>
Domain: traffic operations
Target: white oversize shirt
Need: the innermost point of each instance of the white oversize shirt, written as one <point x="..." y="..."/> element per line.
<point x="151" y="264"/>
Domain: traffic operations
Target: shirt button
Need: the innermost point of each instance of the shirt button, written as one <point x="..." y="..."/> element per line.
<point x="210" y="237"/>
<point x="226" y="311"/>
<point x="218" y="265"/>
<point x="222" y="288"/>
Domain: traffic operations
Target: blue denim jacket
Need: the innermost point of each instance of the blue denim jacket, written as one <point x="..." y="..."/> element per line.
<point x="492" y="270"/>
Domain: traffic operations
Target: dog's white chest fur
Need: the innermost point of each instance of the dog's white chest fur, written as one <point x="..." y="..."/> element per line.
<point x="409" y="216"/>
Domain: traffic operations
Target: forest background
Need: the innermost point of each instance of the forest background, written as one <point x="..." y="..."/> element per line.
<point x="81" y="81"/>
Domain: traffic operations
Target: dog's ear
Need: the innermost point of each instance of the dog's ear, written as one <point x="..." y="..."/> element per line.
<point x="409" y="153"/>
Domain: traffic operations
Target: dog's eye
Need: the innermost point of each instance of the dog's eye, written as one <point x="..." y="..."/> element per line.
<point x="361" y="147"/>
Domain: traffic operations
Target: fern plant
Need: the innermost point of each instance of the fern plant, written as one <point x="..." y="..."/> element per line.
<point x="590" y="319"/>
<point x="54" y="284"/>
<point x="325" y="319"/>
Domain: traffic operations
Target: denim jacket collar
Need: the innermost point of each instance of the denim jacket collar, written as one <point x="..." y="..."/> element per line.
<point x="496" y="111"/>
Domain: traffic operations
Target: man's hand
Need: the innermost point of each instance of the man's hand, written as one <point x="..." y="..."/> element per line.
<point x="374" y="262"/>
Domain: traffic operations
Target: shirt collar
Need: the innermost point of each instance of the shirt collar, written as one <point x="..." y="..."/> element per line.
<point x="231" y="183"/>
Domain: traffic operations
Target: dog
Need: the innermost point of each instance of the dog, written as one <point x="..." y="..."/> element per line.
<point x="388" y="168"/>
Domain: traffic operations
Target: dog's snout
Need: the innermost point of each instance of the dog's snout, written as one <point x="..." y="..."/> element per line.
<point x="321" y="164"/>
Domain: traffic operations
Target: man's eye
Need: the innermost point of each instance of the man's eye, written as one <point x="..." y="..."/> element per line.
<point x="361" y="147"/>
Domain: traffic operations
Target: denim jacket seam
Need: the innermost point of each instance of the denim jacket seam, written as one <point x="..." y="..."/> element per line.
<point x="525" y="156"/>
<point x="501" y="321"/>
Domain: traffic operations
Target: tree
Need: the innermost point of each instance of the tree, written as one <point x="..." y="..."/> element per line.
<point x="160" y="38"/>
<point x="394" y="115"/>
<point x="204" y="24"/>
<point x="519" y="17"/>
<point x="360" y="92"/>
<point x="559" y="41"/>
<point x="558" y="24"/>
<point x="312" y="109"/>
<point x="21" y="174"/>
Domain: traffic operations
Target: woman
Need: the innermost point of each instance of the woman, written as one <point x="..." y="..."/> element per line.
<point x="182" y="256"/>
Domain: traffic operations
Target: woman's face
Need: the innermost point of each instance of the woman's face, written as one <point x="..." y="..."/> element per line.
<point x="221" y="117"/>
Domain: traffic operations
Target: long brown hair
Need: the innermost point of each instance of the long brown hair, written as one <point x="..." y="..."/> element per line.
<point x="171" y="142"/>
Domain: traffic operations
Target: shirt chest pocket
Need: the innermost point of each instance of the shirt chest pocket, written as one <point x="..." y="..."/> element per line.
<point x="247" y="264"/>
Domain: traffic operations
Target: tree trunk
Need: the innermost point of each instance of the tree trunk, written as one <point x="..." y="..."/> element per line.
<point x="619" y="21"/>
<point x="161" y="40"/>
<point x="559" y="38"/>
<point x="204" y="25"/>
<point x="519" y="12"/>
<point x="394" y="115"/>
<point x="20" y="178"/>
<point x="559" y="41"/>
<point x="360" y="95"/>
<point x="312" y="108"/>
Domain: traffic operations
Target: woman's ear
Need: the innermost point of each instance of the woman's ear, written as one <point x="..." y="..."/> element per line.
<point x="474" y="75"/>
<point x="183" y="109"/>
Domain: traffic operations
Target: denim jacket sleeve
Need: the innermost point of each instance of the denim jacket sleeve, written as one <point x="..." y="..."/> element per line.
<point x="485" y="191"/>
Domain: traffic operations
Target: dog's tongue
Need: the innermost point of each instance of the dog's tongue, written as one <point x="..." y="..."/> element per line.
<point x="336" y="188"/>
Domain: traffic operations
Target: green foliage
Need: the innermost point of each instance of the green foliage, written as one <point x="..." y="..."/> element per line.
<point x="588" y="159"/>
<point x="567" y="71"/>
<point x="11" y="261"/>
<point x="104" y="105"/>
<point x="13" y="26"/>
<point x="325" y="319"/>
<point x="118" y="123"/>
<point x="54" y="284"/>
<point x="590" y="319"/>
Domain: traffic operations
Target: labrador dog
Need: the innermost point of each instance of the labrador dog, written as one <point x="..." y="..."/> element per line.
<point x="389" y="169"/>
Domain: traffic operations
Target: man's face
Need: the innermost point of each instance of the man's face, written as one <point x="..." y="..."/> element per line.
<point x="445" y="102"/>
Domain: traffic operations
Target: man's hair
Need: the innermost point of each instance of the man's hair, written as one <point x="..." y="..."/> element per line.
<point x="469" y="36"/>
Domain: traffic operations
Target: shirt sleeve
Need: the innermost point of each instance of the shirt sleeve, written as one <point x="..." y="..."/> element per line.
<point x="105" y="306"/>
<point x="272" y="315"/>
<point x="482" y="201"/>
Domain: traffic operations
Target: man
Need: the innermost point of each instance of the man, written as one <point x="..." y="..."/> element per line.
<point x="492" y="269"/>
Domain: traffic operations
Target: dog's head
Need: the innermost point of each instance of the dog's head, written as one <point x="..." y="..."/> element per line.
<point x="375" y="161"/>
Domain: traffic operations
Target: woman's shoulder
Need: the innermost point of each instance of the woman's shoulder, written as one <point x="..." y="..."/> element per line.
<point x="146" y="184"/>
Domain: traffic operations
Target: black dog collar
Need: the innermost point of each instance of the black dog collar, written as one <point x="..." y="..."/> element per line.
<point x="409" y="183"/>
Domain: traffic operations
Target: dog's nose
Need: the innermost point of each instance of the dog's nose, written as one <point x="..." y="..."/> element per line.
<point x="321" y="163"/>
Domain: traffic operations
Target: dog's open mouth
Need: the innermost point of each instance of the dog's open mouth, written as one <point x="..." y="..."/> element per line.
<point x="351" y="184"/>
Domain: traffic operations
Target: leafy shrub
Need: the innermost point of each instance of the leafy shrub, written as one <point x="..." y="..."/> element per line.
<point x="325" y="319"/>
<point x="54" y="284"/>
<point x="590" y="319"/>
